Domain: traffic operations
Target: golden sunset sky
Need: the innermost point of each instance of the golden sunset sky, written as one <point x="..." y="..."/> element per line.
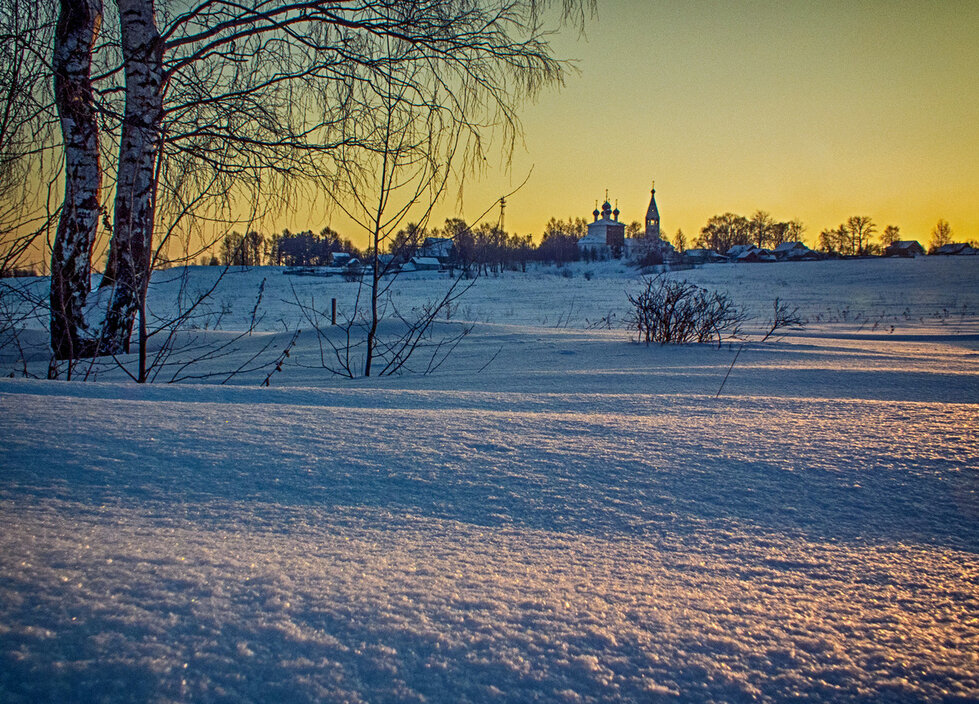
<point x="810" y="110"/>
<point x="815" y="110"/>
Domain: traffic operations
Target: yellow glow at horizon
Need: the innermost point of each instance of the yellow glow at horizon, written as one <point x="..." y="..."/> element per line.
<point x="818" y="111"/>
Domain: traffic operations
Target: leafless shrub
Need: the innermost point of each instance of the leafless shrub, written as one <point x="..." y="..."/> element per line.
<point x="668" y="311"/>
<point x="784" y="318"/>
<point x="412" y="341"/>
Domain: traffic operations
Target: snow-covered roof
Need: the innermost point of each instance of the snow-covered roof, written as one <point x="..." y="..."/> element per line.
<point x="701" y="253"/>
<point x="605" y="222"/>
<point x="789" y="246"/>
<point x="956" y="248"/>
<point x="794" y="254"/>
<point x="592" y="239"/>
<point x="755" y="254"/>
<point x="739" y="249"/>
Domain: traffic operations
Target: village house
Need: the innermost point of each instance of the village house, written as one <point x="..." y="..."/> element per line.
<point x="436" y="248"/>
<point x="904" y="248"/>
<point x="958" y="249"/>
<point x="342" y="259"/>
<point x="749" y="253"/>
<point x="794" y="252"/>
<point x="422" y="264"/>
<point x="699" y="255"/>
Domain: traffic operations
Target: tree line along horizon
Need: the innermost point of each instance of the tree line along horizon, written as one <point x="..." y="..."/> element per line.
<point x="489" y="245"/>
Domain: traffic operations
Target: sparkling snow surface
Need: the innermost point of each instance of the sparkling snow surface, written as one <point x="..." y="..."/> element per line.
<point x="556" y="515"/>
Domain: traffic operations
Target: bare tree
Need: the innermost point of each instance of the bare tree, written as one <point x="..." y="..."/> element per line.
<point x="406" y="151"/>
<point x="406" y="241"/>
<point x="130" y="256"/>
<point x="760" y="227"/>
<point x="795" y="232"/>
<point x="890" y="235"/>
<point x="680" y="241"/>
<point x="852" y="238"/>
<point x="861" y="229"/>
<point x="834" y="240"/>
<point x="941" y="234"/>
<point x="225" y="100"/>
<point x="723" y="232"/>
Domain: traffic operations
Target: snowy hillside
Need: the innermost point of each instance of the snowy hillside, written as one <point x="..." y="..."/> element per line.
<point x="555" y="514"/>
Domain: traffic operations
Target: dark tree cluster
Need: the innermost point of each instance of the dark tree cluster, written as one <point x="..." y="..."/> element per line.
<point x="559" y="242"/>
<point x="725" y="231"/>
<point x="242" y="250"/>
<point x="286" y="249"/>
<point x="854" y="238"/>
<point x="488" y="248"/>
<point x="483" y="249"/>
<point x="307" y="249"/>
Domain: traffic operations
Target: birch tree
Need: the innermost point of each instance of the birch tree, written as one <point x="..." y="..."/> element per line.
<point x="75" y="36"/>
<point x="229" y="101"/>
<point x="129" y="264"/>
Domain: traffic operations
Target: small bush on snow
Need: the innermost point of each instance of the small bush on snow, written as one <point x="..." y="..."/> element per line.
<point x="678" y="312"/>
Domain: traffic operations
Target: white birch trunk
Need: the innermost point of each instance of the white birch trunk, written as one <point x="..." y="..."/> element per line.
<point x="130" y="252"/>
<point x="71" y="256"/>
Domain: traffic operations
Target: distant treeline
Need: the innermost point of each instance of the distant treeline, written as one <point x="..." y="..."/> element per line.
<point x="489" y="248"/>
<point x="859" y="235"/>
<point x="285" y="249"/>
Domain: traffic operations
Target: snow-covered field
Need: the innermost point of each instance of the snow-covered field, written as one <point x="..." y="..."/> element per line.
<point x="556" y="514"/>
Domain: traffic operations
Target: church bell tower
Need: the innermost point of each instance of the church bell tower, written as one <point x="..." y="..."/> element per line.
<point x="652" y="216"/>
